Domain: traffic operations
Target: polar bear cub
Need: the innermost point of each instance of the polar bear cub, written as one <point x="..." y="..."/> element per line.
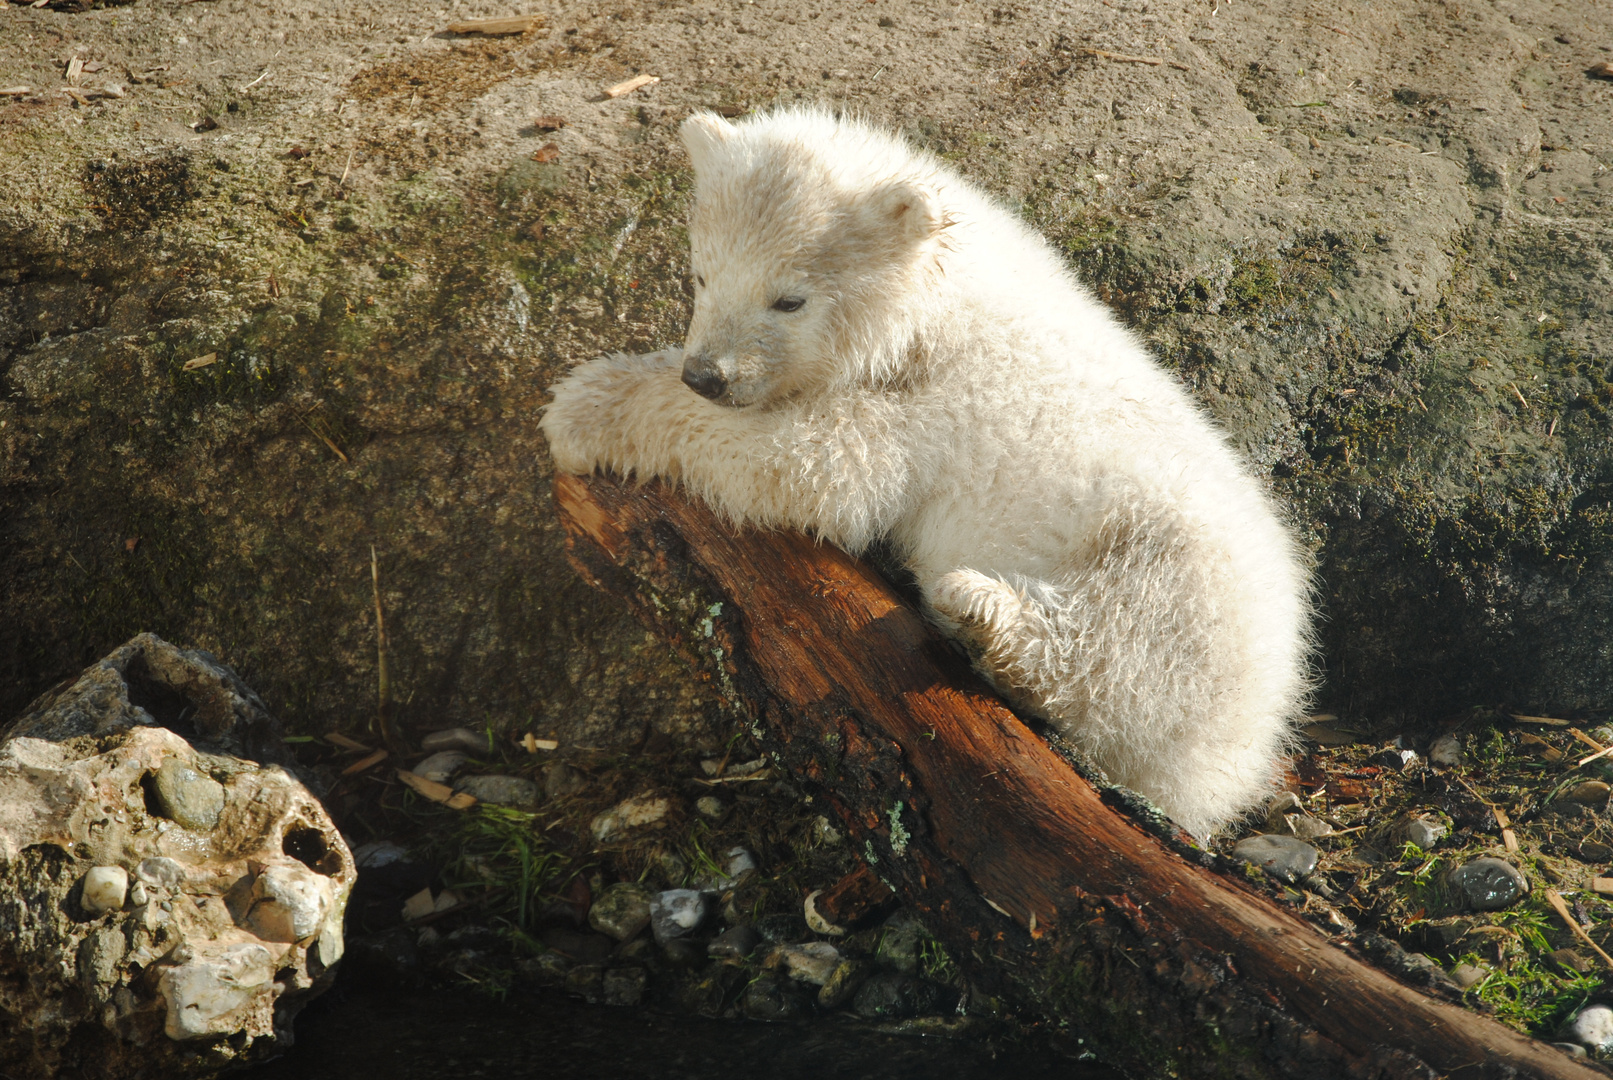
<point x="880" y="352"/>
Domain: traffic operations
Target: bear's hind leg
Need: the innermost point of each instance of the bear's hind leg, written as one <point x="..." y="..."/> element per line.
<point x="1006" y="630"/>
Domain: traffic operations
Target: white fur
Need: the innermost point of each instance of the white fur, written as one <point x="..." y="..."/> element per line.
<point x="1068" y="511"/>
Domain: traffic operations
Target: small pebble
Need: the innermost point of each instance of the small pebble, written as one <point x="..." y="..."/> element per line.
<point x="1285" y="858"/>
<point x="1284" y="802"/>
<point x="780" y="928"/>
<point x="630" y="814"/>
<point x="500" y="790"/>
<point x="1591" y="1028"/>
<point x="735" y="943"/>
<point x="441" y="765"/>
<point x="621" y="910"/>
<point x="711" y="806"/>
<point x="138" y="895"/>
<point x="1489" y="884"/>
<point x="1589" y="793"/>
<point x="379" y="853"/>
<point x="161" y="870"/>
<point x="1306" y="827"/>
<point x="1425" y="833"/>
<point x="1468" y="976"/>
<point x="1446" y="752"/>
<point x="1395" y="758"/>
<point x="740" y="862"/>
<point x="677" y="913"/>
<point x="186" y="796"/>
<point x="104" y="889"/>
<point x="814" y="962"/>
<point x="458" y="738"/>
<point x="824" y="832"/>
<point x="1573" y="1050"/>
<point x="624" y="986"/>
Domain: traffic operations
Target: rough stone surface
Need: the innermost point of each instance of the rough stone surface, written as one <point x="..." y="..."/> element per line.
<point x="501" y="790"/>
<point x="135" y="944"/>
<point x="1488" y="884"/>
<point x="734" y="943"/>
<point x="1380" y="259"/>
<point x="621" y="910"/>
<point x="623" y="986"/>
<point x="639" y="812"/>
<point x="1283" y="857"/>
<point x="813" y="962"/>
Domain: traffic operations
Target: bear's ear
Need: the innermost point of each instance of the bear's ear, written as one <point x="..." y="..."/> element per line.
<point x="909" y="211"/>
<point x="704" y="134"/>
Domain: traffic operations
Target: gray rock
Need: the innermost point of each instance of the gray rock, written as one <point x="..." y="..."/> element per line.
<point x="1468" y="976"/>
<point x="1425" y="832"/>
<point x="894" y="995"/>
<point x="501" y="790"/>
<point x="768" y="997"/>
<point x="1488" y="884"/>
<point x="1589" y="793"/>
<point x="740" y="862"/>
<point x="899" y="942"/>
<point x="441" y="765"/>
<point x="621" y="910"/>
<point x="639" y="812"/>
<point x="710" y="806"/>
<point x="561" y="780"/>
<point x="1573" y="1050"/>
<point x="677" y="913"/>
<point x="379" y="853"/>
<point x="587" y="981"/>
<point x="462" y="739"/>
<point x="1592" y="1028"/>
<point x="814" y="962"/>
<point x="781" y="927"/>
<point x="187" y="796"/>
<point x="1283" y="857"/>
<point x="1446" y="752"/>
<point x="735" y="943"/>
<point x="843" y="985"/>
<point x="624" y="986"/>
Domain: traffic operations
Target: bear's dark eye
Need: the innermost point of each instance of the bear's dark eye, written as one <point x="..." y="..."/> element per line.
<point x="700" y="281"/>
<point x="788" y="303"/>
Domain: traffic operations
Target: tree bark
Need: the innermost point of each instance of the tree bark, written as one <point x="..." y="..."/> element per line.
<point x="1046" y="890"/>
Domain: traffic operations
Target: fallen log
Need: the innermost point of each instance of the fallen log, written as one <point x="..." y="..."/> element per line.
<point x="1044" y="888"/>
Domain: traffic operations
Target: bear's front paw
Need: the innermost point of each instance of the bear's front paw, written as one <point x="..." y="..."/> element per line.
<point x="587" y="421"/>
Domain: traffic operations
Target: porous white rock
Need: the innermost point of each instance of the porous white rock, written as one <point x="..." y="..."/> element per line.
<point x="156" y="947"/>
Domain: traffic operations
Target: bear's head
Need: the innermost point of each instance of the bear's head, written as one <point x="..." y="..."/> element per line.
<point x="810" y="237"/>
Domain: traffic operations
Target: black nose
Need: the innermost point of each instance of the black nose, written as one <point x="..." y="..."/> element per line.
<point x="708" y="384"/>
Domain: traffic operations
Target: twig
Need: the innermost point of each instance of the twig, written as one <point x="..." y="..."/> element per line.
<point x="1557" y="905"/>
<point x="365" y="763"/>
<point x="1508" y="838"/>
<point x="635" y="83"/>
<point x="1588" y="758"/>
<point x="1586" y="739"/>
<point x="322" y="437"/>
<point x="1122" y="58"/>
<point x="383" y="711"/>
<point x="343" y="181"/>
<point x="257" y="80"/>
<point x="1552" y="720"/>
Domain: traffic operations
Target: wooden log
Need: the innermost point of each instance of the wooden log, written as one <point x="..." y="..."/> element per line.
<point x="1043" y="888"/>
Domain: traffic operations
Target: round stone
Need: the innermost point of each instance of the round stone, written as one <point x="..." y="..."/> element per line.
<point x="813" y="962"/>
<point x="1425" y="833"/>
<point x="1488" y="884"/>
<point x="457" y="738"/>
<point x="186" y="796"/>
<point x="1446" y="752"/>
<point x="104" y="889"/>
<point x="1285" y="858"/>
<point x="1592" y="1027"/>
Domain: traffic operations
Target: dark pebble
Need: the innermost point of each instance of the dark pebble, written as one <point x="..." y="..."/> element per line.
<point x="735" y="943"/>
<point x="1488" y="884"/>
<point x="1283" y="857"/>
<point x="895" y="995"/>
